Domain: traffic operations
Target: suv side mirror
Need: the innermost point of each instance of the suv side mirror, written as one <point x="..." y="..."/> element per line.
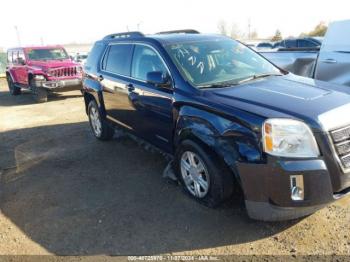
<point x="158" y="78"/>
<point x="21" y="61"/>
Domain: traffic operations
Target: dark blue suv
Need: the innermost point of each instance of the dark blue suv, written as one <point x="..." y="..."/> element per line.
<point x="229" y="118"/>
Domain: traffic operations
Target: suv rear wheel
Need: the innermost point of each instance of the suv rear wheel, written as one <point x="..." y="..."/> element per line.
<point x="99" y="127"/>
<point x="39" y="94"/>
<point x="14" y="90"/>
<point x="201" y="174"/>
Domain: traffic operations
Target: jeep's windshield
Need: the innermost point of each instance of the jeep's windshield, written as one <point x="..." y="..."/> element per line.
<point x="47" y="54"/>
<point x="217" y="63"/>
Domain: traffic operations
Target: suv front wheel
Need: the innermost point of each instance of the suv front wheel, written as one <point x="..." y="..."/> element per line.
<point x="201" y="174"/>
<point x="99" y="127"/>
<point x="39" y="94"/>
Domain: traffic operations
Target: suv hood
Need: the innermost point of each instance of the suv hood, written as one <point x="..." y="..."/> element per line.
<point x="285" y="96"/>
<point x="53" y="63"/>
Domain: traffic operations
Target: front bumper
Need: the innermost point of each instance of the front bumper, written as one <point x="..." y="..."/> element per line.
<point x="267" y="188"/>
<point x="62" y="85"/>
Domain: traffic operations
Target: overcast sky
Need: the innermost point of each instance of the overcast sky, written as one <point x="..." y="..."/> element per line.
<point x="68" y="21"/>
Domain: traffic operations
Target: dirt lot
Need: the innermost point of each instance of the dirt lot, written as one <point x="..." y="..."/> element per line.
<point x="63" y="192"/>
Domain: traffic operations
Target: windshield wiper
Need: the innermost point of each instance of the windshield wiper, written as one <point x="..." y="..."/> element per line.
<point x="257" y="77"/>
<point x="218" y="85"/>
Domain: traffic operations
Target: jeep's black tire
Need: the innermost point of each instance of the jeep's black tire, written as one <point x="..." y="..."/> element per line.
<point x="220" y="179"/>
<point x="14" y="90"/>
<point x="98" y="124"/>
<point x="39" y="93"/>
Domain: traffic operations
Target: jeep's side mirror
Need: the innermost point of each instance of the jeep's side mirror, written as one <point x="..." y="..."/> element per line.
<point x="21" y="61"/>
<point x="158" y="78"/>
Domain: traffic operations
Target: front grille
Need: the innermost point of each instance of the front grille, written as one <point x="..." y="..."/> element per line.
<point x="64" y="71"/>
<point x="341" y="141"/>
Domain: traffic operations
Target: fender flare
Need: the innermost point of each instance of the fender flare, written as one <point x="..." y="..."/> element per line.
<point x="92" y="88"/>
<point x="231" y="141"/>
<point x="8" y="72"/>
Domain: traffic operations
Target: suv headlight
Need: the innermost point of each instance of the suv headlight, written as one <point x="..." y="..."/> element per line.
<point x="289" y="138"/>
<point x="39" y="77"/>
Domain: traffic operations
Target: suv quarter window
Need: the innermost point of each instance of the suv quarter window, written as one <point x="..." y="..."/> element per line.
<point x="117" y="59"/>
<point x="9" y="57"/>
<point x="145" y="60"/>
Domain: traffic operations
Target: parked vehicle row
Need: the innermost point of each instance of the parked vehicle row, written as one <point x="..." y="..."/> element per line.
<point x="331" y="63"/>
<point x="79" y="57"/>
<point x="229" y="117"/>
<point x="42" y="70"/>
<point x="304" y="43"/>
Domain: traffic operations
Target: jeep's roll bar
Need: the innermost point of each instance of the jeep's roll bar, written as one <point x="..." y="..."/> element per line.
<point x="123" y="35"/>
<point x="181" y="31"/>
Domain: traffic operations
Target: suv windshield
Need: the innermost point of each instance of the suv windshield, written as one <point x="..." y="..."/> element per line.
<point x="47" y="54"/>
<point x="218" y="62"/>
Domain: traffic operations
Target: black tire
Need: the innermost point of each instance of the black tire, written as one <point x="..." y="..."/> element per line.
<point x="105" y="132"/>
<point x="221" y="181"/>
<point x="14" y="90"/>
<point x="39" y="93"/>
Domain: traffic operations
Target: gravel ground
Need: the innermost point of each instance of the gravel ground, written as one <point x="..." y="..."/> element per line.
<point x="63" y="192"/>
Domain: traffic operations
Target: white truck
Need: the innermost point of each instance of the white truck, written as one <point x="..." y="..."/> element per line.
<point x="331" y="63"/>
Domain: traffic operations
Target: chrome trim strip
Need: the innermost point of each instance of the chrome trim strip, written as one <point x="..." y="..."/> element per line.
<point x="333" y="119"/>
<point x="335" y="155"/>
<point x="119" y="123"/>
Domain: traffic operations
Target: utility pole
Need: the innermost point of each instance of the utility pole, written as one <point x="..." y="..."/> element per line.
<point x="18" y="37"/>
<point x="42" y="41"/>
<point x="249" y="26"/>
<point x="138" y="25"/>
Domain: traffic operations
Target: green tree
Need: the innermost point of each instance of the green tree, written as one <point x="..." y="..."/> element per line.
<point x="320" y="30"/>
<point x="277" y="36"/>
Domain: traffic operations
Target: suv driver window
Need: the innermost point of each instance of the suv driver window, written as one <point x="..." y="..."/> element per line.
<point x="21" y="57"/>
<point x="146" y="60"/>
<point x="15" y="57"/>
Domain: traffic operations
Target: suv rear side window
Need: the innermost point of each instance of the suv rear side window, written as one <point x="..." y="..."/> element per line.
<point x="290" y="43"/>
<point x="9" y="57"/>
<point x="146" y="60"/>
<point x="118" y="59"/>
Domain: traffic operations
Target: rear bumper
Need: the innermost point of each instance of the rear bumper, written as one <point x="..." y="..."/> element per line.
<point x="62" y="85"/>
<point x="268" y="191"/>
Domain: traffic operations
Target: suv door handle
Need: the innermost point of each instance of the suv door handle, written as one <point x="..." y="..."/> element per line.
<point x="100" y="78"/>
<point x="329" y="61"/>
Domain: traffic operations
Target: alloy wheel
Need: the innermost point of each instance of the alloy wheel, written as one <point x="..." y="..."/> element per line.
<point x="95" y="121"/>
<point x="195" y="174"/>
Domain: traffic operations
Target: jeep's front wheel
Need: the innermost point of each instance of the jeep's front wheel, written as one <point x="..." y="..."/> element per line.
<point x="99" y="127"/>
<point x="39" y="93"/>
<point x="14" y="90"/>
<point x="202" y="175"/>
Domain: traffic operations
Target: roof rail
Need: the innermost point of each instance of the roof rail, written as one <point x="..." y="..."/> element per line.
<point x="124" y="35"/>
<point x="182" y="31"/>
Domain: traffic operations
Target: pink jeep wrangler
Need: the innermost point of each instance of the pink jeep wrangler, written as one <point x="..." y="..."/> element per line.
<point x="42" y="69"/>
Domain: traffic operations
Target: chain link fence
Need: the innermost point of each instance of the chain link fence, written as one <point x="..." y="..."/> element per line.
<point x="3" y="62"/>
